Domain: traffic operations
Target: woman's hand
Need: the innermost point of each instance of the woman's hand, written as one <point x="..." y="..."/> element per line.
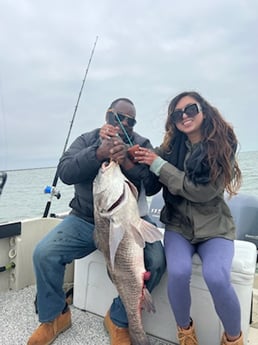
<point x="145" y="156"/>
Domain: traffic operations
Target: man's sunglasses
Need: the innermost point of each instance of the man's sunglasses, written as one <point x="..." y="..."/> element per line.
<point x="115" y="117"/>
<point x="191" y="110"/>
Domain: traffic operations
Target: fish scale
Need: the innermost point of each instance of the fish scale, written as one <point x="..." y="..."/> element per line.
<point x="121" y="234"/>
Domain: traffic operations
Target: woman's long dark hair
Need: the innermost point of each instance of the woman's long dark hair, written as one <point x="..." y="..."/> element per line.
<point x="218" y="138"/>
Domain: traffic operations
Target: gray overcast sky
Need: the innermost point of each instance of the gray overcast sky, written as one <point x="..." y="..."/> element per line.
<point x="147" y="50"/>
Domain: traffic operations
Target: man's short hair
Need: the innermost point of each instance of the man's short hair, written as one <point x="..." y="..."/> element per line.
<point x="120" y="99"/>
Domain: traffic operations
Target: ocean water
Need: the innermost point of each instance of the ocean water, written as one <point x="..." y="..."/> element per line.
<point x="23" y="195"/>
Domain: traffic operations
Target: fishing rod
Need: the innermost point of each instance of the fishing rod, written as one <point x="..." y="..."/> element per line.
<point x="51" y="189"/>
<point x="124" y="130"/>
<point x="3" y="178"/>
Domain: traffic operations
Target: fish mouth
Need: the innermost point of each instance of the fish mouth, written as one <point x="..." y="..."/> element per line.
<point x="107" y="164"/>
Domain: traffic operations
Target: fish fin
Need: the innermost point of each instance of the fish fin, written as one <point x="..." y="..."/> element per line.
<point x="150" y="232"/>
<point x="145" y="232"/>
<point x="147" y="303"/>
<point x="138" y="236"/>
<point x="132" y="188"/>
<point x="116" y="235"/>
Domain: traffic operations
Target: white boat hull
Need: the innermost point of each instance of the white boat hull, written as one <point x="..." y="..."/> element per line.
<point x="18" y="249"/>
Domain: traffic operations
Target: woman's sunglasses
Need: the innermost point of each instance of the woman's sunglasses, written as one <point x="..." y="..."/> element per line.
<point x="191" y="110"/>
<point x="115" y="117"/>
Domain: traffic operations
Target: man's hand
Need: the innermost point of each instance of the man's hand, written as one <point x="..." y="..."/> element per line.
<point x="108" y="131"/>
<point x="103" y="151"/>
<point x="118" y="153"/>
<point x="113" y="147"/>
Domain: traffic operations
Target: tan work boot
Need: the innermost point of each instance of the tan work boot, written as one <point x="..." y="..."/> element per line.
<point x="117" y="335"/>
<point x="47" y="332"/>
<point x="187" y="336"/>
<point x="239" y="341"/>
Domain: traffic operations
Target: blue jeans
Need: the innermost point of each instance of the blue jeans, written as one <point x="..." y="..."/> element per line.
<point x="69" y="240"/>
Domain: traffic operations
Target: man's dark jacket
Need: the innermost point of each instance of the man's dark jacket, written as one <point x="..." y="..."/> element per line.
<point x="79" y="166"/>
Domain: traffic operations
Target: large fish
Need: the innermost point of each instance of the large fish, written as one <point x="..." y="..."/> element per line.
<point x="121" y="234"/>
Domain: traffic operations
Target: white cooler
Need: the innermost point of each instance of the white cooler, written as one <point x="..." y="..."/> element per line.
<point x="94" y="292"/>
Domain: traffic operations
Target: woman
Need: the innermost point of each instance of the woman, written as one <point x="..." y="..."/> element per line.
<point x="195" y="165"/>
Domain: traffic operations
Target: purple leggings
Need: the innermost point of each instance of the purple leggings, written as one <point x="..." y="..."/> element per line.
<point x="216" y="255"/>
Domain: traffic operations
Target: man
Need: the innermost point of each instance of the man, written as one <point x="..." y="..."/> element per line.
<point x="73" y="237"/>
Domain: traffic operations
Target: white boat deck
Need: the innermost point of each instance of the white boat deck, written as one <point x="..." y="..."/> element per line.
<point x="17" y="314"/>
<point x="18" y="320"/>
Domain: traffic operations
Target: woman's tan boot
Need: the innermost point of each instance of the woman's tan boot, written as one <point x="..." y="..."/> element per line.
<point x="239" y="341"/>
<point x="187" y="336"/>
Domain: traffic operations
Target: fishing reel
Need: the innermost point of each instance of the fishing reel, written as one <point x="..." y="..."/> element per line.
<point x="53" y="191"/>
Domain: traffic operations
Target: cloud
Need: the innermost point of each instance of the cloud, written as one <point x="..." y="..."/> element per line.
<point x="147" y="51"/>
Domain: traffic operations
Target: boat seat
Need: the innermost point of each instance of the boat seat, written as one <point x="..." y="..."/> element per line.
<point x="94" y="292"/>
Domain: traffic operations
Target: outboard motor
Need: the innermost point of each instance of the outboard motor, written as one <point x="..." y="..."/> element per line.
<point x="155" y="208"/>
<point x="244" y="209"/>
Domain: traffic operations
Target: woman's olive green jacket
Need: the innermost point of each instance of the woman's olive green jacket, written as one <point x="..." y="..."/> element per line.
<point x="197" y="211"/>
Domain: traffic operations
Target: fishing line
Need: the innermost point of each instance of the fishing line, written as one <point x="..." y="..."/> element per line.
<point x="123" y="129"/>
<point x="52" y="190"/>
<point x="142" y="201"/>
